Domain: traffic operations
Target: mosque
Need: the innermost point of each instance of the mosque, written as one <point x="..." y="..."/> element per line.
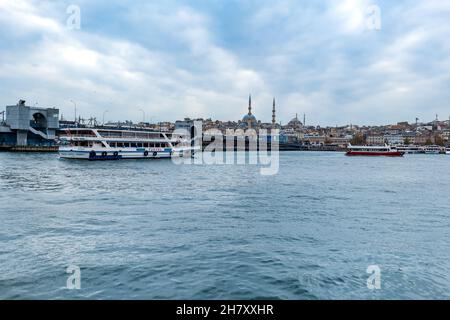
<point x="295" y="123"/>
<point x="249" y="120"/>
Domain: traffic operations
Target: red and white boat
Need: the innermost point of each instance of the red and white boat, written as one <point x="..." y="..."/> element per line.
<point x="385" y="150"/>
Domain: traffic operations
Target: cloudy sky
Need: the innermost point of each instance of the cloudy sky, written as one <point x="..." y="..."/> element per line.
<point x="201" y="58"/>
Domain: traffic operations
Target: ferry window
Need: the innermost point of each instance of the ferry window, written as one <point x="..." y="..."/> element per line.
<point x="139" y="145"/>
<point x="133" y="145"/>
<point x="146" y="145"/>
<point x="119" y="145"/>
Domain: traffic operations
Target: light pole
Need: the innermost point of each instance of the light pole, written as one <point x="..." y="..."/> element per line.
<point x="103" y="119"/>
<point x="75" y="107"/>
<point x="143" y="115"/>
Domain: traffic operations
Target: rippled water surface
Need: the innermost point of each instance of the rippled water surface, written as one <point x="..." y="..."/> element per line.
<point x="155" y="230"/>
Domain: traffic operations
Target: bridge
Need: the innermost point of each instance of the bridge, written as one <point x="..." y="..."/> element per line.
<point x="29" y="126"/>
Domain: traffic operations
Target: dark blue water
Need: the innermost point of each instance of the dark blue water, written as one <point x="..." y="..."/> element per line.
<point x="155" y="230"/>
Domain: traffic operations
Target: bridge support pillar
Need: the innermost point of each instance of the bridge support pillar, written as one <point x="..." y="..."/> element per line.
<point x="22" y="139"/>
<point x="51" y="133"/>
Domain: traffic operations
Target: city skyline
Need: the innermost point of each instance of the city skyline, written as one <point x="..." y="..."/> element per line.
<point x="202" y="59"/>
<point x="274" y="118"/>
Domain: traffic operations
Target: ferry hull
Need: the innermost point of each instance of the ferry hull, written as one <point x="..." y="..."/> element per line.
<point x="375" y="154"/>
<point x="113" y="155"/>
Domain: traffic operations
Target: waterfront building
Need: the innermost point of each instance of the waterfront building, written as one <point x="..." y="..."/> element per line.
<point x="375" y="139"/>
<point x="424" y="138"/>
<point x="29" y="126"/>
<point x="185" y="124"/>
<point x="341" y="142"/>
<point x="314" y="139"/>
<point x="446" y="135"/>
<point x="393" y="139"/>
<point x="409" y="136"/>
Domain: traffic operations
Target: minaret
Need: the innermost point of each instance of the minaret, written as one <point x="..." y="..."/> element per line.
<point x="273" y="114"/>
<point x="249" y="122"/>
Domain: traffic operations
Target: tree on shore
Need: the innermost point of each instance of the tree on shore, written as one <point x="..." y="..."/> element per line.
<point x="439" y="141"/>
<point x="358" y="139"/>
<point x="407" y="141"/>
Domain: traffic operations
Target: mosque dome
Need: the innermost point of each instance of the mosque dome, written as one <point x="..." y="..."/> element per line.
<point x="249" y="118"/>
<point x="295" y="122"/>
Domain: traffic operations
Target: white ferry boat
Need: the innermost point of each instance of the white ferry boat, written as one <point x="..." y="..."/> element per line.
<point x="373" y="151"/>
<point x="447" y="151"/>
<point x="411" y="149"/>
<point x="107" y="144"/>
<point x="433" y="149"/>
